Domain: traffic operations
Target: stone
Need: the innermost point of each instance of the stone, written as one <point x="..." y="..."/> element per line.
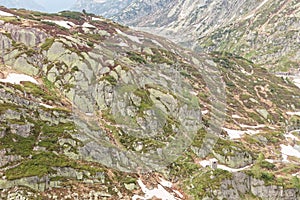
<point x="21" y="130"/>
<point x="130" y="186"/>
<point x="263" y="112"/>
<point x="23" y="66"/>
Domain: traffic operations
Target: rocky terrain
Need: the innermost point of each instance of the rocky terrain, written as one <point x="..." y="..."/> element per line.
<point x="268" y="35"/>
<point x="266" y="32"/>
<point x="91" y="109"/>
<point x="106" y="8"/>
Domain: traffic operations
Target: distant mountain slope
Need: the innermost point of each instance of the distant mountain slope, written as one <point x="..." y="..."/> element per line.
<point x="269" y="35"/>
<point x="184" y="20"/>
<point x="105" y="8"/>
<point x="264" y="31"/>
<point x="27" y="4"/>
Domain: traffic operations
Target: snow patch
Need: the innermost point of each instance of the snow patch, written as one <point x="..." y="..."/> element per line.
<point x="297" y="81"/>
<point x="252" y="127"/>
<point x="205" y="163"/>
<point x="289" y="151"/>
<point x="158" y="192"/>
<point x="18" y="78"/>
<point x="204" y="112"/>
<point x="249" y="16"/>
<point x="270" y="160"/>
<point x="123" y="44"/>
<point x="131" y="37"/>
<point x="290" y="135"/>
<point x="156" y="42"/>
<point x="262" y="3"/>
<point x="6" y="14"/>
<point x="46" y="106"/>
<point x="237" y="134"/>
<point x="293" y="113"/>
<point x="229" y="169"/>
<point x="96" y="19"/>
<point x="65" y="24"/>
<point x="236" y="117"/>
<point x="296" y="174"/>
<point x="87" y="25"/>
<point x="165" y="183"/>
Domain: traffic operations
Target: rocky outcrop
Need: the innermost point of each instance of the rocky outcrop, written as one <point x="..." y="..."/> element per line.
<point x="268" y="35"/>
<point x="29" y="36"/>
<point x="7" y="159"/>
<point x="244" y="184"/>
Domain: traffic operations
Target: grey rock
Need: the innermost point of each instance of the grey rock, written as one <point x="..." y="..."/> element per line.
<point x="21" y="130"/>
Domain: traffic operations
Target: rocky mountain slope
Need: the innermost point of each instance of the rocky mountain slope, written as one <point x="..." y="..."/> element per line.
<point x="268" y="35"/>
<point x="93" y="109"/>
<point x="181" y="20"/>
<point x="106" y="8"/>
<point x="266" y="32"/>
<point x="184" y="20"/>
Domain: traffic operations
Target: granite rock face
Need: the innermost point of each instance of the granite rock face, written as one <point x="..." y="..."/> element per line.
<point x="245" y="184"/>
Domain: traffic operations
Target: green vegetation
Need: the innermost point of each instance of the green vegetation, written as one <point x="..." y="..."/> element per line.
<point x="18" y="145"/>
<point x="136" y="57"/>
<point x="109" y="79"/>
<point x="71" y="15"/>
<point x="40" y="164"/>
<point x="49" y="23"/>
<point x="199" y="183"/>
<point x="161" y="56"/>
<point x="259" y="170"/>
<point x="38" y="91"/>
<point x="51" y="135"/>
<point x="7" y="106"/>
<point x="47" y="44"/>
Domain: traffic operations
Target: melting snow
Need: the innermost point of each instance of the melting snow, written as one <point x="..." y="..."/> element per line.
<point x="236" y="117"/>
<point x="5" y="14"/>
<point x="156" y="42"/>
<point x="252" y="127"/>
<point x="165" y="183"/>
<point x="262" y="3"/>
<point x="87" y="25"/>
<point x="296" y="174"/>
<point x="46" y="106"/>
<point x="18" y="78"/>
<point x="158" y="192"/>
<point x="290" y="135"/>
<point x="233" y="169"/>
<point x="236" y="134"/>
<point x="204" y="112"/>
<point x="297" y="82"/>
<point x="289" y="151"/>
<point x="293" y="113"/>
<point x="270" y="160"/>
<point x="96" y="19"/>
<point x="65" y="24"/>
<point x="205" y="163"/>
<point x="131" y="37"/>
